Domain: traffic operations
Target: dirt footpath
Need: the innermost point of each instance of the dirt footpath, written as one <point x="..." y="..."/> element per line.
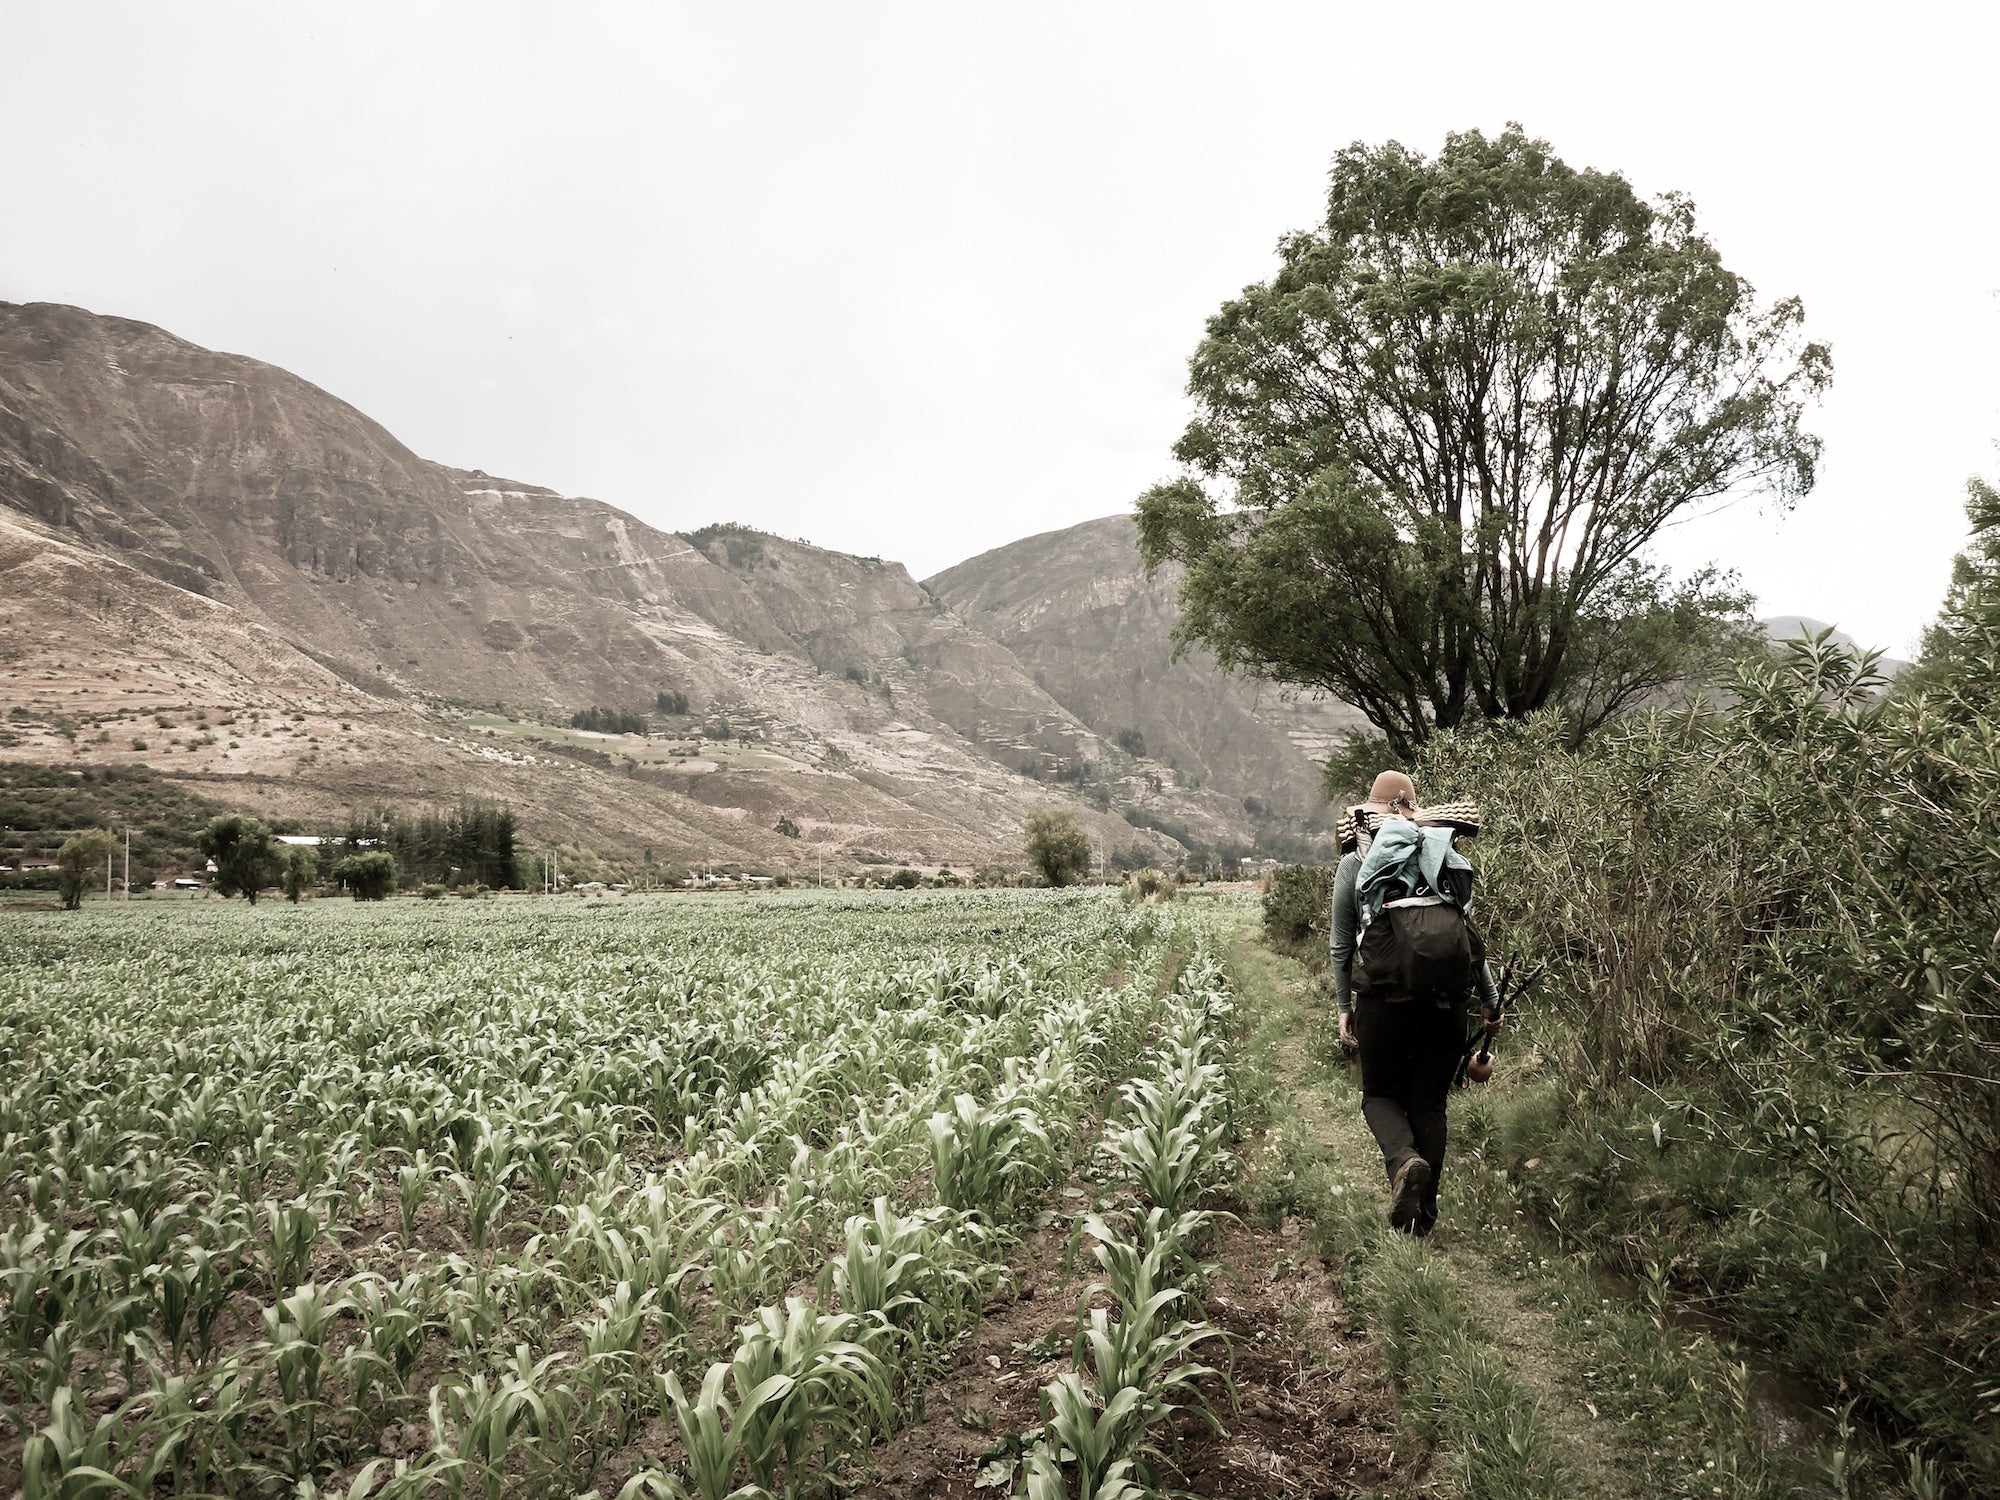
<point x="1314" y="1420"/>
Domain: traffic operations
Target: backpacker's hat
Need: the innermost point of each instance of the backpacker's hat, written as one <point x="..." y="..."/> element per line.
<point x="1390" y="788"/>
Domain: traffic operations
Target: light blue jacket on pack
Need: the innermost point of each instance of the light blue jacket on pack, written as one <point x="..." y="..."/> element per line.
<point x="1404" y="856"/>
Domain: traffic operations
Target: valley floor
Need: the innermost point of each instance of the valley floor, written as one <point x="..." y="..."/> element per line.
<point x="386" y="1200"/>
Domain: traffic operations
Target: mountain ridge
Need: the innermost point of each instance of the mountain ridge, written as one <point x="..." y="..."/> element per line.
<point x="448" y="621"/>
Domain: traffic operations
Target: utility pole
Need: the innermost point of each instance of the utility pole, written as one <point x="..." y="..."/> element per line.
<point x="128" y="865"/>
<point x="107" y="876"/>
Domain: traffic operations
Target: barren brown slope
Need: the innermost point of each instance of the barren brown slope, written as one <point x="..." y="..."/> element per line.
<point x="102" y="664"/>
<point x="240" y="481"/>
<point x="1076" y="609"/>
<point x="346" y="578"/>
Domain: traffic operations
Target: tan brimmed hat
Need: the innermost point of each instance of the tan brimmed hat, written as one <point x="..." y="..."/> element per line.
<point x="1390" y="790"/>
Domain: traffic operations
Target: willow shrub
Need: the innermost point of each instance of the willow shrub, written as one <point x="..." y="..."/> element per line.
<point x="1767" y="1050"/>
<point x="1298" y="907"/>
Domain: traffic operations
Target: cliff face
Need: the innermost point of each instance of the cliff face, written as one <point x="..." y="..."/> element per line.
<point x="1076" y="609"/>
<point x="249" y="544"/>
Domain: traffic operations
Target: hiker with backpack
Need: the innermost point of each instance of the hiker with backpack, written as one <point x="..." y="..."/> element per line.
<point x="1405" y="960"/>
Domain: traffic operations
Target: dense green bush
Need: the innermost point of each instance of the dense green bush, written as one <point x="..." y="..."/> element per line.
<point x="298" y="867"/>
<point x="367" y="877"/>
<point x="1767" y="1044"/>
<point x="1057" y="846"/>
<point x="1298" y="908"/>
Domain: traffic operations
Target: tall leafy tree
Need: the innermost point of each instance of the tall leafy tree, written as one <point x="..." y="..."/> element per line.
<point x="1961" y="648"/>
<point x="80" y="863"/>
<point x="367" y="877"/>
<point x="1057" y="846"/>
<point x="1428" y="456"/>
<point x="241" y="850"/>
<point x="298" y="867"/>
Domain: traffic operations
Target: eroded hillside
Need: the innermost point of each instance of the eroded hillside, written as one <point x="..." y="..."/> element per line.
<point x="215" y="568"/>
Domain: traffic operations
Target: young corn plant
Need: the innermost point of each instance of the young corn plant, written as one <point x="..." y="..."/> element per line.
<point x="297" y="1330"/>
<point x="1173" y="1145"/>
<point x="1104" y="1444"/>
<point x="66" y="1460"/>
<point x="1044" y="1476"/>
<point x="980" y="1154"/>
<point x="837" y="1386"/>
<point x="396" y="1317"/>
<point x="476" y="1424"/>
<point x="712" y="1432"/>
<point x="294" y="1228"/>
<point x="1154" y="1358"/>
<point x="413" y="1186"/>
<point x="903" y="1281"/>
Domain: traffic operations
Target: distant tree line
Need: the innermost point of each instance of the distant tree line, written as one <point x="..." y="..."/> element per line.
<point x="608" y="721"/>
<point x="668" y="703"/>
<point x="470" y="843"/>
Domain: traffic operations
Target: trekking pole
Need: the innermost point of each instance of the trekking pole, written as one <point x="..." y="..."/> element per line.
<point x="1476" y="1065"/>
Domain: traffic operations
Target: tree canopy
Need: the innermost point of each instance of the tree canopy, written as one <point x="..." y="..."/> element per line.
<point x="1428" y="455"/>
<point x="1962" y="645"/>
<point x="298" y="867"/>
<point x="79" y="863"/>
<point x="241" y="850"/>
<point x="1057" y="847"/>
<point x="367" y="877"/>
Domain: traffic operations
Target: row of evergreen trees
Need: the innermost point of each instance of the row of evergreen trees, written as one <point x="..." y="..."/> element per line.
<point x="472" y="843"/>
<point x="601" y="720"/>
<point x="607" y="721"/>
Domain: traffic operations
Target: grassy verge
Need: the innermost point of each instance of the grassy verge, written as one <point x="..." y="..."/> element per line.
<point x="1657" y="1188"/>
<point x="1526" y="1369"/>
<point x="1454" y="1391"/>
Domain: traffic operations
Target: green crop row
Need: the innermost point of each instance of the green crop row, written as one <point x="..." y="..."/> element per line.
<point x="1138" y="1356"/>
<point x="456" y="1202"/>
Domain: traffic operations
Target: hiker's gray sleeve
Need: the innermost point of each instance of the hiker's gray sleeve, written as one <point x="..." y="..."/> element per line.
<point x="1489" y="996"/>
<point x="1340" y="940"/>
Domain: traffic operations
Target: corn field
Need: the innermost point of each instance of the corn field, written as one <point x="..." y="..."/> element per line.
<point x="646" y="1199"/>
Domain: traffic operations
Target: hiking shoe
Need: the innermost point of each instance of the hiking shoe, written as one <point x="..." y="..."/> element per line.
<point x="1406" y="1204"/>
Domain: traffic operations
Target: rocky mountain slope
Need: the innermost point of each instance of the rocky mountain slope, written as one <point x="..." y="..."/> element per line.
<point x="1076" y="609"/>
<point x="214" y="568"/>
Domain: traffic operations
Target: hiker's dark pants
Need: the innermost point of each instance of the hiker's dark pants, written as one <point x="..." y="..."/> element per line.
<point x="1409" y="1052"/>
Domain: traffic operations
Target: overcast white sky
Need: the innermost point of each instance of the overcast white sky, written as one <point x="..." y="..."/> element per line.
<point x="918" y="280"/>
